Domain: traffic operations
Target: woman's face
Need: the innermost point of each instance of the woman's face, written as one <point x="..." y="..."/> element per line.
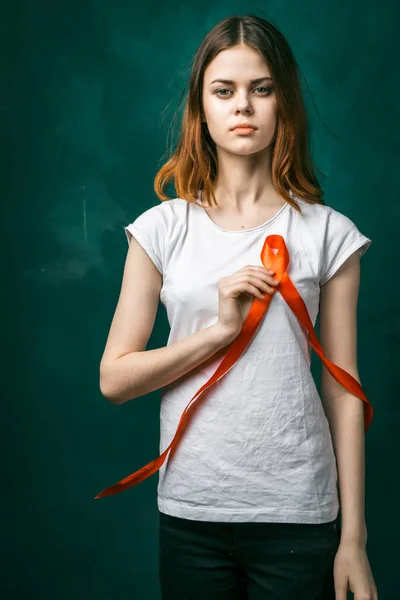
<point x="226" y="105"/>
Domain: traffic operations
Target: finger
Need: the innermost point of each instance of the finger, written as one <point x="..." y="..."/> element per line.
<point x="262" y="284"/>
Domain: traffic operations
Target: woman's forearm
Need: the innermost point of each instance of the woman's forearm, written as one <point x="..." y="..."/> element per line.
<point x="345" y="415"/>
<point x="139" y="373"/>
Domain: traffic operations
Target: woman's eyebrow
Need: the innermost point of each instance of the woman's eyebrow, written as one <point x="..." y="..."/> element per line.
<point x="232" y="82"/>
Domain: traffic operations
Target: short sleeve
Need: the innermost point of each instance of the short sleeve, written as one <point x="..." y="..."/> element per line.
<point x="342" y="238"/>
<point x="149" y="230"/>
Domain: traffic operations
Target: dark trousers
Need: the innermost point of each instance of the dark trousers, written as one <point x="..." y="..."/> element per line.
<point x="205" y="560"/>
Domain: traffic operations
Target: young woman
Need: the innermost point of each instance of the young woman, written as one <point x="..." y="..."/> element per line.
<point x="264" y="495"/>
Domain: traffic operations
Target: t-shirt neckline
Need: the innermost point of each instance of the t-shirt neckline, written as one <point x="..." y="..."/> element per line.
<point x="209" y="219"/>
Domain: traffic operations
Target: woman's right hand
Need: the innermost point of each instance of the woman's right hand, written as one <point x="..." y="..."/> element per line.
<point x="236" y="295"/>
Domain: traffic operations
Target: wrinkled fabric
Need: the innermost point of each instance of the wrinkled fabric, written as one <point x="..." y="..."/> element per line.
<point x="258" y="448"/>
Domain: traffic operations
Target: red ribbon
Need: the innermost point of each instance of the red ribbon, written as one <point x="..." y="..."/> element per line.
<point x="279" y="263"/>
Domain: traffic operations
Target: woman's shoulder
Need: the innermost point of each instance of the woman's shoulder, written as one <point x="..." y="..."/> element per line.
<point x="166" y="211"/>
<point x="322" y="211"/>
<point x="312" y="209"/>
<point x="326" y="218"/>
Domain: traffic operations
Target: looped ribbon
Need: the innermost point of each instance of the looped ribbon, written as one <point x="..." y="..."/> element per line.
<point x="279" y="263"/>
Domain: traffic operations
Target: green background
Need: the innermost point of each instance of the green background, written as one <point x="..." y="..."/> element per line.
<point x="88" y="92"/>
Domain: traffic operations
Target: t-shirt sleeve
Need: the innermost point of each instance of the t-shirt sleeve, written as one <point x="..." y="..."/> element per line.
<point x="342" y="238"/>
<point x="149" y="230"/>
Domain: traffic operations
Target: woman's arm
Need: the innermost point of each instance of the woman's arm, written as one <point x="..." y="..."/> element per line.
<point x="344" y="411"/>
<point x="138" y="373"/>
<point x="127" y="369"/>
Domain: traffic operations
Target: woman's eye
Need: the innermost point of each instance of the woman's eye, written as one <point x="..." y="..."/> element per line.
<point x="269" y="89"/>
<point x="265" y="88"/>
<point x="222" y="90"/>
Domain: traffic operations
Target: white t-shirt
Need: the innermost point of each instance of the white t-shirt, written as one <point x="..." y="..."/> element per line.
<point x="258" y="447"/>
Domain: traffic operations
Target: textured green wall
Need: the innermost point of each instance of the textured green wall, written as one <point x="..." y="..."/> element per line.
<point x="88" y="92"/>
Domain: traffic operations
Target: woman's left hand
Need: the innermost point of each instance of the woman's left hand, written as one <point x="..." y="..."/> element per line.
<point x="352" y="572"/>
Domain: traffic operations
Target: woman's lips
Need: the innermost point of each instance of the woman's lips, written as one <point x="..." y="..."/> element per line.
<point x="243" y="130"/>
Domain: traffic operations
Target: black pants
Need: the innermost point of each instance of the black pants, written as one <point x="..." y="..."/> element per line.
<point x="205" y="560"/>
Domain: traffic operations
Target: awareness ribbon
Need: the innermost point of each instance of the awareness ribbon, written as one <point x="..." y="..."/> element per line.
<point x="279" y="263"/>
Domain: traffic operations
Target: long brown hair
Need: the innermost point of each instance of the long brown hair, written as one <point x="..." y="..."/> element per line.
<point x="193" y="164"/>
